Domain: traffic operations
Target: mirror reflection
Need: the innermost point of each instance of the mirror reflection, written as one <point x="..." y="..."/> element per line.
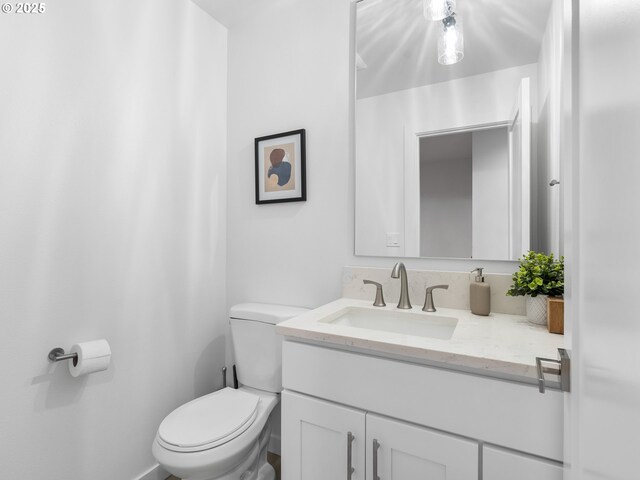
<point x="456" y="160"/>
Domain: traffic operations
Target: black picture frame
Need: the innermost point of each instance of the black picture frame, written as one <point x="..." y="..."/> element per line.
<point x="275" y="181"/>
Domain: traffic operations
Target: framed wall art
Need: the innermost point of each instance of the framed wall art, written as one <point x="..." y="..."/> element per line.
<point x="280" y="168"/>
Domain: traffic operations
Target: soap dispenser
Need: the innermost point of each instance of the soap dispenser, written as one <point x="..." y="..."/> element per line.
<point x="480" y="295"/>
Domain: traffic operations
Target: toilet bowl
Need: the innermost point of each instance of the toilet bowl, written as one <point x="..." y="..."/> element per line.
<point x="224" y="435"/>
<point x="217" y="436"/>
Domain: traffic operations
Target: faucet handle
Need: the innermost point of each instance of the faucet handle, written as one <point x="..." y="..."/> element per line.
<point x="428" y="300"/>
<point x="444" y="287"/>
<point x="379" y="301"/>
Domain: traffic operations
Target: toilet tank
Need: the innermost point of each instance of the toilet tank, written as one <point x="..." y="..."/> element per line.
<point x="257" y="346"/>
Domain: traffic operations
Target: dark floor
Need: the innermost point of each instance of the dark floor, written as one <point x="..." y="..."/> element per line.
<point x="272" y="458"/>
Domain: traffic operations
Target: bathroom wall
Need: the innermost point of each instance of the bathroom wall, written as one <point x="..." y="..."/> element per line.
<point x="548" y="111"/>
<point x="112" y="225"/>
<point x="456" y="296"/>
<point x="289" y="69"/>
<point x="383" y="123"/>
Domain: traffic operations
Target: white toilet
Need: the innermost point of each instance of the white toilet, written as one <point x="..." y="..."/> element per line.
<point x="224" y="435"/>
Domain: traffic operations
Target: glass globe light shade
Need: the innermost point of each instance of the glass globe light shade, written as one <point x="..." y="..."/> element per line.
<point x="450" y="41"/>
<point x="438" y="9"/>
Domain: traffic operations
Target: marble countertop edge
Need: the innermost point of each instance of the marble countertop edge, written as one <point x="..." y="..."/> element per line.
<point x="498" y="345"/>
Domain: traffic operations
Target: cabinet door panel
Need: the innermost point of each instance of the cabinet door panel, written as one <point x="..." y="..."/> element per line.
<point x="499" y="464"/>
<point x="409" y="452"/>
<point x="315" y="439"/>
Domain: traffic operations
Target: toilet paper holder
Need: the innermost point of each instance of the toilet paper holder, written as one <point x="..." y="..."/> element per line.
<point x="57" y="355"/>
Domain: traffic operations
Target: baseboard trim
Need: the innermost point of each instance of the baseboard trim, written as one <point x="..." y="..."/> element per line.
<point x="154" y="473"/>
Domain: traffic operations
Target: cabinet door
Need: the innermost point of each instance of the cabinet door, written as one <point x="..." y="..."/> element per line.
<point x="408" y="452"/>
<point x="499" y="464"/>
<point x="315" y="439"/>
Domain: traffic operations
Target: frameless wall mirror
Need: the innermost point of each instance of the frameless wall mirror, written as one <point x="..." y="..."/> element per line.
<point x="456" y="160"/>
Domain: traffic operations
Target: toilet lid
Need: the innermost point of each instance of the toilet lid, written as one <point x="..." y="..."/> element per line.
<point x="208" y="421"/>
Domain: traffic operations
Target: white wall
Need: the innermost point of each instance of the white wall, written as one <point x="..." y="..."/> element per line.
<point x="491" y="193"/>
<point x="381" y="125"/>
<point x="294" y="253"/>
<point x="112" y="224"/>
<point x="289" y="69"/>
<point x="548" y="111"/>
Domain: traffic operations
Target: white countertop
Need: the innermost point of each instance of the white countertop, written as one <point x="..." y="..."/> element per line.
<point x="497" y="345"/>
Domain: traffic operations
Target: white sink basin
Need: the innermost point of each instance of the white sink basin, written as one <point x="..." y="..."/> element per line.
<point x="400" y="322"/>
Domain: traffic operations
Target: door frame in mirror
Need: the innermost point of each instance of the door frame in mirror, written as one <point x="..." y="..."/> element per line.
<point x="412" y="136"/>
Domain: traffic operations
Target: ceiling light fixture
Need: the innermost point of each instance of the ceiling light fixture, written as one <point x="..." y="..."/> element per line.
<point x="438" y="9"/>
<point x="450" y="41"/>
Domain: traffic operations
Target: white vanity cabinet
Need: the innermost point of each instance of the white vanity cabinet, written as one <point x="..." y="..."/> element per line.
<point x="321" y="439"/>
<point x="411" y="421"/>
<point x="500" y="464"/>
<point x="400" y="451"/>
<point x="324" y="440"/>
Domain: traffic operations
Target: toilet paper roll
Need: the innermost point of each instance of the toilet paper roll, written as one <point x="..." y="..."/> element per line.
<point x="92" y="357"/>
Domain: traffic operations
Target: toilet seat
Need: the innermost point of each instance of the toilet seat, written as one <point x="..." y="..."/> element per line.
<point x="208" y="422"/>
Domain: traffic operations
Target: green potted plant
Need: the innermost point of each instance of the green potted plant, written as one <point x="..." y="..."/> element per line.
<point x="539" y="276"/>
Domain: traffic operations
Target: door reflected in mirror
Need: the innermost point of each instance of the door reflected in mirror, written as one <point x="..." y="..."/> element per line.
<point x="455" y="161"/>
<point x="464" y="210"/>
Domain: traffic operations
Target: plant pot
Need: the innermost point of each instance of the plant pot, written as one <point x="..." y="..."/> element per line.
<point x="555" y="315"/>
<point x="537" y="309"/>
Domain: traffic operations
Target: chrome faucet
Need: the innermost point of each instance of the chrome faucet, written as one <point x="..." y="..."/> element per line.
<point x="428" y="301"/>
<point x="400" y="272"/>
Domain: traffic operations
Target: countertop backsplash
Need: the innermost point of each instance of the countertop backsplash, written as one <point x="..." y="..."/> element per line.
<point x="457" y="296"/>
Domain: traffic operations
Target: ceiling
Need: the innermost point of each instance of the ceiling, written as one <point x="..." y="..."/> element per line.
<point x="221" y="10"/>
<point x="399" y="46"/>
